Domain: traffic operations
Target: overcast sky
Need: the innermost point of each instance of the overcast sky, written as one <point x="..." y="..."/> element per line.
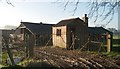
<point x="44" y="11"/>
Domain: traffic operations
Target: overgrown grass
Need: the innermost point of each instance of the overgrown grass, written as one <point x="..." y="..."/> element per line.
<point x="116" y="41"/>
<point x="110" y="53"/>
<point x="27" y="61"/>
<point x="23" y="63"/>
<point x="4" y="58"/>
<point x="106" y="54"/>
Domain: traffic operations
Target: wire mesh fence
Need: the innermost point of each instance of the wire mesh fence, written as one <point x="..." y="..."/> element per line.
<point x="34" y="41"/>
<point x="41" y="40"/>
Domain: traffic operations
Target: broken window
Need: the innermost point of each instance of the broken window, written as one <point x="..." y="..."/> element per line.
<point x="58" y="33"/>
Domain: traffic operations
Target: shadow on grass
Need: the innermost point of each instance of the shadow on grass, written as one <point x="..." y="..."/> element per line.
<point x="116" y="49"/>
<point x="40" y="64"/>
<point x="116" y="41"/>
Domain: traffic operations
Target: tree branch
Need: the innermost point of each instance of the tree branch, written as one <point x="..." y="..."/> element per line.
<point x="8" y="2"/>
<point x="98" y="9"/>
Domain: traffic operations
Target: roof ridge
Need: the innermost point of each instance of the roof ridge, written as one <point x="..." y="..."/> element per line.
<point x="71" y="18"/>
<point x="67" y="21"/>
<point x="36" y="23"/>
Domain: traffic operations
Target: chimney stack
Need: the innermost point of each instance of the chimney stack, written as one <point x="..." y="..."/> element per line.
<point x="41" y="23"/>
<point x="85" y="19"/>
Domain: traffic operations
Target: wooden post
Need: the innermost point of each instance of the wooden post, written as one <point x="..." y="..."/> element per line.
<point x="73" y="41"/>
<point x="26" y="45"/>
<point x="31" y="45"/>
<point x="109" y="42"/>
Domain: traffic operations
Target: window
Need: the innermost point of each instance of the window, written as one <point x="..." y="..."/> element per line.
<point x="58" y="33"/>
<point x="22" y="30"/>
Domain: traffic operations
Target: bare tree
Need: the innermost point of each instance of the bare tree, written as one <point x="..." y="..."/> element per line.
<point x="9" y="2"/>
<point x="98" y="8"/>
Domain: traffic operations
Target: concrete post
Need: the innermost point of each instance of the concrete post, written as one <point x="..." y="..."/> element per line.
<point x="109" y="42"/>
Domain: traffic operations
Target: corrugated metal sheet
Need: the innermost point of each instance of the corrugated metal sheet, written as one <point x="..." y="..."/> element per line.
<point x="98" y="30"/>
<point x="38" y="27"/>
<point x="6" y="33"/>
<point x="68" y="22"/>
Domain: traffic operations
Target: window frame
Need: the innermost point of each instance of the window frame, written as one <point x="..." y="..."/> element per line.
<point x="58" y="32"/>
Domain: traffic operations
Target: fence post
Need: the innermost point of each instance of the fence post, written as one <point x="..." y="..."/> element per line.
<point x="31" y="45"/>
<point x="109" y="42"/>
<point x="26" y="45"/>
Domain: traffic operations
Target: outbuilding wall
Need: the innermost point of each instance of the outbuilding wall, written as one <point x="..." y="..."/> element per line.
<point x="60" y="41"/>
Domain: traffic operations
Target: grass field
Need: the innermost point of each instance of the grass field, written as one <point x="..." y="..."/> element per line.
<point x="116" y="43"/>
<point x="116" y="36"/>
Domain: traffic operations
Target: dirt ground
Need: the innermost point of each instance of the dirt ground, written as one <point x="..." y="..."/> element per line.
<point x="62" y="58"/>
